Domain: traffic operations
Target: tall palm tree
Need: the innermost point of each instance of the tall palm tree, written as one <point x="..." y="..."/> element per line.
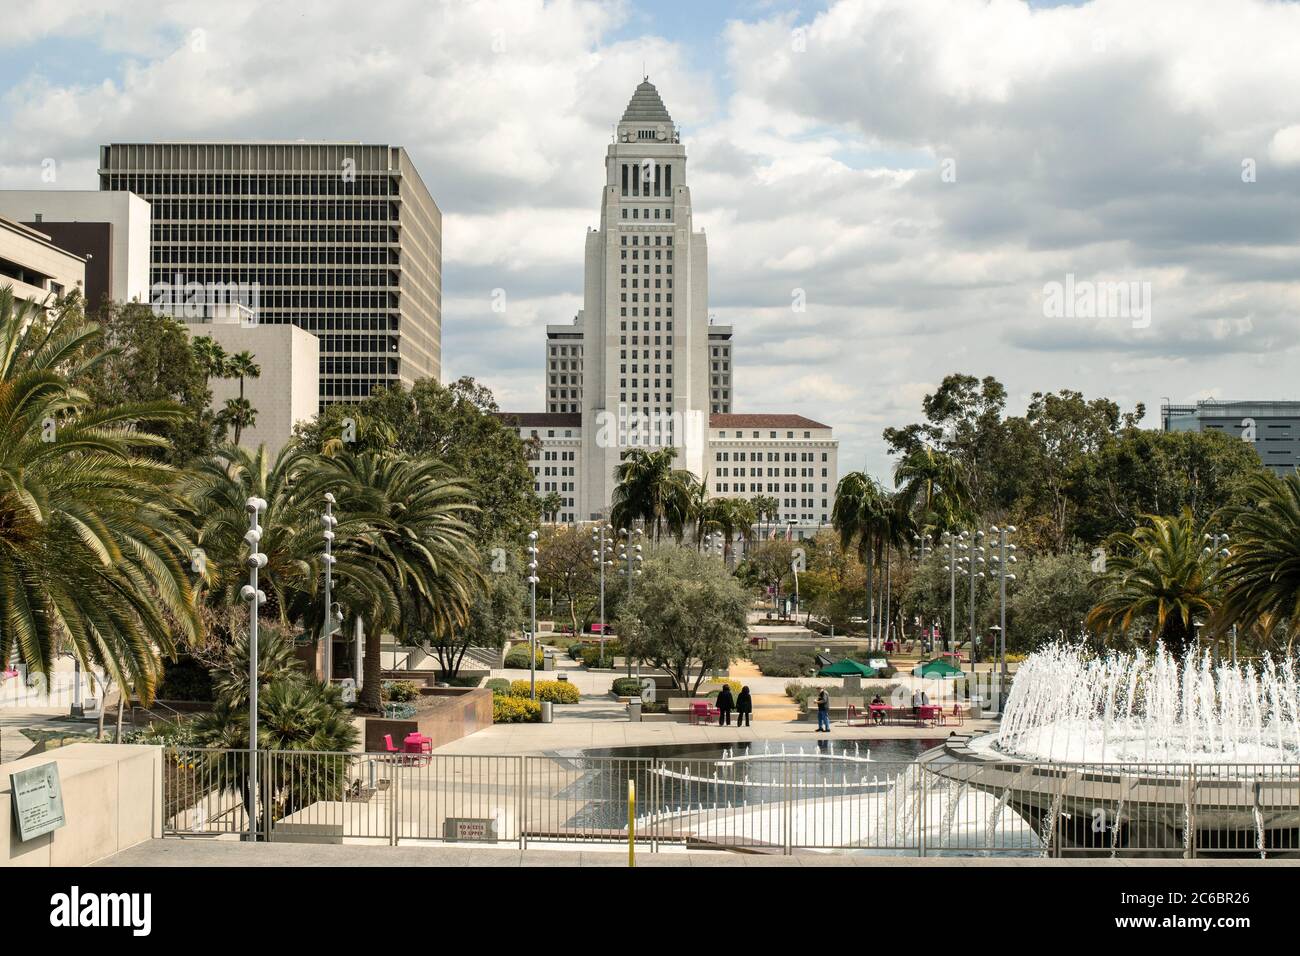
<point x="241" y="365"/>
<point x="91" y="539"/>
<point x="419" y="541"/>
<point x="932" y="484"/>
<point x="1158" y="571"/>
<point x="238" y="414"/>
<point x="1263" y="571"/>
<point x="766" y="508"/>
<point x="550" y="504"/>
<point x="650" y="489"/>
<point x="859" y="515"/>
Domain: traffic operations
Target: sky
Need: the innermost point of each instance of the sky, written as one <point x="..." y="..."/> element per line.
<point x="1099" y="196"/>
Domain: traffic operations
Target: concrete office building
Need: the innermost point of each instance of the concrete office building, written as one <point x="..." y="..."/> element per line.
<point x="340" y="239"/>
<point x="110" y="230"/>
<point x="1271" y="428"/>
<point x="642" y="364"/>
<point x="34" y="266"/>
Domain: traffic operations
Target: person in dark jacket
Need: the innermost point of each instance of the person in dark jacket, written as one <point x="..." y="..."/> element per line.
<point x="744" y="707"/>
<point x="725" y="705"/>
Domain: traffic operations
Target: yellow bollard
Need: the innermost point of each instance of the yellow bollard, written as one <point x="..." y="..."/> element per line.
<point x="631" y="823"/>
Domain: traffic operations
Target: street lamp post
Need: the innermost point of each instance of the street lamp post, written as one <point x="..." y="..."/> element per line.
<point x="255" y="598"/>
<point x="532" y="627"/>
<point x="973" y="557"/>
<point x="630" y="554"/>
<point x="328" y="523"/>
<point x="1005" y="556"/>
<point x="601" y="556"/>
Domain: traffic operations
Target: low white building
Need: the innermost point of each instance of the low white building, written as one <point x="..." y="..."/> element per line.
<point x="35" y="266"/>
<point x="285" y="393"/>
<point x="109" y="229"/>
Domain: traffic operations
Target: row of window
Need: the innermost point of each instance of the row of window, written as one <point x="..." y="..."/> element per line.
<point x="253" y="184"/>
<point x="277" y="255"/>
<point x="228" y="232"/>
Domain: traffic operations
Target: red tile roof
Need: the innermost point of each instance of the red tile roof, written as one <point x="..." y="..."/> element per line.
<point x="541" y="419"/>
<point x="762" y="421"/>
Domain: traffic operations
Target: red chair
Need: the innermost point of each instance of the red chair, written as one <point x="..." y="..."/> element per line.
<point x="958" y="715"/>
<point x="704" y="710"/>
<point x="388" y="744"/>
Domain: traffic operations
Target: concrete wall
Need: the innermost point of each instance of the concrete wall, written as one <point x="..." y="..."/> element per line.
<point x="42" y="264"/>
<point x="112" y="799"/>
<point x="445" y="714"/>
<point x="288" y="389"/>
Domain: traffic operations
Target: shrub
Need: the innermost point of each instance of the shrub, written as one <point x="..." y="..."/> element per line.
<point x="591" y="653"/>
<point x="627" y="687"/>
<point x="517" y="657"/>
<point x="498" y="686"/>
<point x="515" y="710"/>
<point x="400" y="691"/>
<point x="556" y="691"/>
<point x="785" y="663"/>
<point x="399" y="711"/>
<point x="735" y="685"/>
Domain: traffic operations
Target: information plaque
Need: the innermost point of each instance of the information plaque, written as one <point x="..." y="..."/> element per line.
<point x="37" y="800"/>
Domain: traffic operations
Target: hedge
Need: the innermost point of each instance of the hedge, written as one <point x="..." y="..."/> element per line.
<point x="498" y="686"/>
<point x="591" y="653"/>
<point x="626" y="687"/>
<point x="515" y="710"/>
<point x="517" y="657"/>
<point x="556" y="691"/>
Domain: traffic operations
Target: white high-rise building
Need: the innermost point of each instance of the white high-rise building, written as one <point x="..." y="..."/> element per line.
<point x="641" y="365"/>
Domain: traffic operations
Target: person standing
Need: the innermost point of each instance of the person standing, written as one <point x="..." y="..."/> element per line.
<point x="744" y="707"/>
<point x="823" y="711"/>
<point x="725" y="705"/>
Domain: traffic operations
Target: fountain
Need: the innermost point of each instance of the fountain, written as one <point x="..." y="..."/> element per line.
<point x="1142" y="753"/>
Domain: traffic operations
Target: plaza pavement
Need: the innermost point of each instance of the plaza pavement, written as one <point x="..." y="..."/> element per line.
<point x="600" y="721"/>
<point x="226" y="853"/>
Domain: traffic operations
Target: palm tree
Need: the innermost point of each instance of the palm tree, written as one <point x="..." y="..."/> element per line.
<point x="860" y="516"/>
<point x="212" y="357"/>
<point x="550" y="504"/>
<point x="650" y="489"/>
<point x="418" y="541"/>
<point x="91" y="539"/>
<point x="237" y="414"/>
<point x="1263" y="569"/>
<point x="241" y="366"/>
<point x="1158" y="571"/>
<point x="766" y="508"/>
<point x="931" y="482"/>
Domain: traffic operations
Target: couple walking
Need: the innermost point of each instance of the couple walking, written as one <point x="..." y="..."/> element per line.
<point x="742" y="704"/>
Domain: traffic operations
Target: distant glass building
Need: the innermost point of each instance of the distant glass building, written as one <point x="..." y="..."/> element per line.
<point x="340" y="239"/>
<point x="1272" y="428"/>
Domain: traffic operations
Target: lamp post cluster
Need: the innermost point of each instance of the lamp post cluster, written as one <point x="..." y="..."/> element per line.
<point x="602" y="557"/>
<point x="255" y="597"/>
<point x="328" y="524"/>
<point x="1002" y="559"/>
<point x="630" y="554"/>
<point x="532" y="614"/>
<point x="967" y="557"/>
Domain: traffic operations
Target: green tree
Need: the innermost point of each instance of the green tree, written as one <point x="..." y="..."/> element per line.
<point x="457" y="425"/>
<point x="237" y="414"/>
<point x="650" y="489"/>
<point x="91" y="535"/>
<point x="931" y="486"/>
<point x="498" y="610"/>
<point x="685" y="615"/>
<point x="1051" y="598"/>
<point x="1263" y="570"/>
<point x="564" y="566"/>
<point x="147" y="358"/>
<point x="1158" y="572"/>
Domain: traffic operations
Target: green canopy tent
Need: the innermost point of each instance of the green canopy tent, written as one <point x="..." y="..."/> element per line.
<point x="937" y="668"/>
<point x="847" y="668"/>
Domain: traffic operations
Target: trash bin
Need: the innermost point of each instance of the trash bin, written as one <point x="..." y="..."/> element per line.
<point x="634" y="710"/>
<point x="546" y="711"/>
<point x="548" y="661"/>
<point x="563" y="677"/>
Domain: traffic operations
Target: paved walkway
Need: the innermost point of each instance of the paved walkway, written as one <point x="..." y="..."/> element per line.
<point x="176" y="852"/>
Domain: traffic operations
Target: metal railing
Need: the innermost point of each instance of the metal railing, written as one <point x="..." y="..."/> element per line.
<point x="760" y="804"/>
